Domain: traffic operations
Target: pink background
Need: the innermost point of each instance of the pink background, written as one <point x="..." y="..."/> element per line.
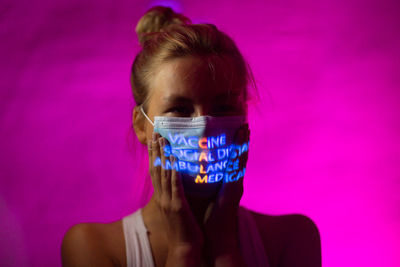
<point x="325" y="134"/>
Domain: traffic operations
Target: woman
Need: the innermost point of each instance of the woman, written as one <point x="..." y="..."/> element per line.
<point x="192" y="76"/>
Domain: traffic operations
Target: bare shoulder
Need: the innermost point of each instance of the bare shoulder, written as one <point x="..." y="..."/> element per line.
<point x="290" y="240"/>
<point x="94" y="244"/>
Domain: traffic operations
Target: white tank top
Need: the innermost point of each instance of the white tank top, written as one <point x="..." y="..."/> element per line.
<point x="138" y="250"/>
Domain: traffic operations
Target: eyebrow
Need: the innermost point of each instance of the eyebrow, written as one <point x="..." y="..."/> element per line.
<point x="177" y="99"/>
<point x="224" y="96"/>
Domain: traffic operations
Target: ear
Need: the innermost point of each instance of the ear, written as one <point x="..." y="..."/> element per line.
<point x="138" y="121"/>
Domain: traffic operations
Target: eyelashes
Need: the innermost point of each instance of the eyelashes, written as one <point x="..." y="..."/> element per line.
<point x="217" y="110"/>
<point x="180" y="110"/>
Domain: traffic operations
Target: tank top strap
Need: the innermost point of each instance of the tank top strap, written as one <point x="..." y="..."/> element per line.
<point x="138" y="250"/>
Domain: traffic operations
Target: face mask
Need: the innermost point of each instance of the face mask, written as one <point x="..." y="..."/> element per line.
<point x="205" y="149"/>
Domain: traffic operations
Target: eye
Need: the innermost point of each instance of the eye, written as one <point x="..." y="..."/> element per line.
<point x="180" y="110"/>
<point x="226" y="109"/>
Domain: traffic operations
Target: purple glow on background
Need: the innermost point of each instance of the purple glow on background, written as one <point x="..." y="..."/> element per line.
<point x="325" y="137"/>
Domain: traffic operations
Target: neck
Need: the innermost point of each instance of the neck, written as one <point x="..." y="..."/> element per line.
<point x="199" y="207"/>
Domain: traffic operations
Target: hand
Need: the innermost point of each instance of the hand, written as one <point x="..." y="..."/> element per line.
<point x="184" y="234"/>
<point x="221" y="225"/>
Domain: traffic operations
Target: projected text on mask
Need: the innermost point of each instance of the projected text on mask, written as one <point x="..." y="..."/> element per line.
<point x="205" y="159"/>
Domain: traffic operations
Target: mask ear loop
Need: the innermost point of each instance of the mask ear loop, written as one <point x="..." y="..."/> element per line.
<point x="144" y="114"/>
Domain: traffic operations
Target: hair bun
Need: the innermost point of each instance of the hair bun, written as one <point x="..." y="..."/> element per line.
<point x="157" y="19"/>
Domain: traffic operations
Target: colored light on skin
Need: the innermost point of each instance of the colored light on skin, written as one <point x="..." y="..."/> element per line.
<point x="183" y="154"/>
<point x="180" y="166"/>
<point x="213" y="167"/>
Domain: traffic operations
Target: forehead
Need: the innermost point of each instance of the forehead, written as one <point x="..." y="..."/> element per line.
<point x="200" y="79"/>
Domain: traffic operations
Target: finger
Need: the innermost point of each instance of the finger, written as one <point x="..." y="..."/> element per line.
<point x="239" y="149"/>
<point x="149" y="151"/>
<point x="242" y="145"/>
<point x="240" y="142"/>
<point x="165" y="173"/>
<point x="162" y="157"/>
<point x="230" y="193"/>
<point x="243" y="148"/>
<point x="177" y="192"/>
<point x="231" y="188"/>
<point x="155" y="170"/>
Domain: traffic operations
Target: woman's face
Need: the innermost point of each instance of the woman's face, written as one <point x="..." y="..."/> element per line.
<point x="185" y="87"/>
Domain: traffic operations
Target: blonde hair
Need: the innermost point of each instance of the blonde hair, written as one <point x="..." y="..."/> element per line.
<point x="165" y="35"/>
